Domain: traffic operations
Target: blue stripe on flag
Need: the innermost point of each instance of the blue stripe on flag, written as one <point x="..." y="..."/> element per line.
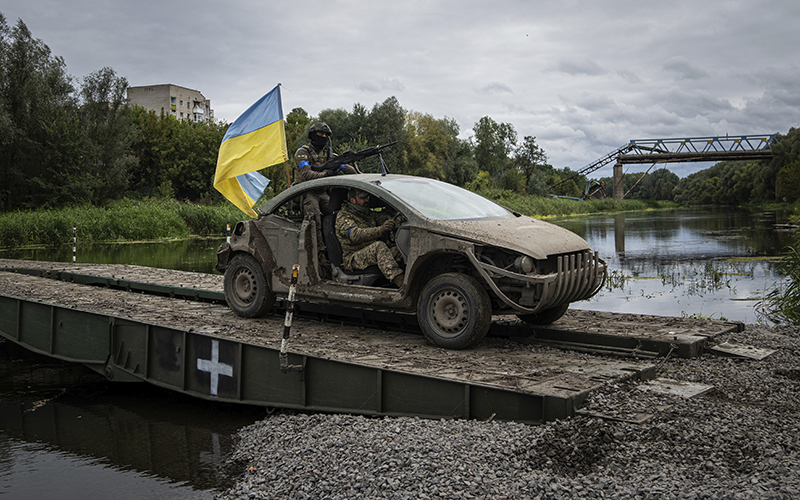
<point x="253" y="184"/>
<point x="265" y="111"/>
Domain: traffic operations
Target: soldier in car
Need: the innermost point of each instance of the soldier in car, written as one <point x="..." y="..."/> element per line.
<point x="316" y="153"/>
<point x="361" y="231"/>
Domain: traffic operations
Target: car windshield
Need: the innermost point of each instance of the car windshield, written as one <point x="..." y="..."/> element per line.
<point x="441" y="201"/>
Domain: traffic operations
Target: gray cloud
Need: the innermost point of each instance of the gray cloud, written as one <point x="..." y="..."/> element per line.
<point x="386" y="84"/>
<point x="584" y="67"/>
<point x="685" y="69"/>
<point x="496" y="88"/>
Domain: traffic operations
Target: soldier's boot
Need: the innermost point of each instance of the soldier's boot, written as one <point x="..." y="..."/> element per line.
<point x="399" y="280"/>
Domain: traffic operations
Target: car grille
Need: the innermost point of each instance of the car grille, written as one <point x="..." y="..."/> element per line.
<point x="578" y="276"/>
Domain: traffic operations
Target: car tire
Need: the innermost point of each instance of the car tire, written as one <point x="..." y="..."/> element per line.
<point x="246" y="289"/>
<point x="454" y="311"/>
<point x="545" y="317"/>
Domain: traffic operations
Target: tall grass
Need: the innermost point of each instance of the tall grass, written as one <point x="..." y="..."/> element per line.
<point x="124" y="220"/>
<point x="782" y="303"/>
<point x="537" y="206"/>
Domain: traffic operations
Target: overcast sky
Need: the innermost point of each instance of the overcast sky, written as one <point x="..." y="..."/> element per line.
<point x="584" y="78"/>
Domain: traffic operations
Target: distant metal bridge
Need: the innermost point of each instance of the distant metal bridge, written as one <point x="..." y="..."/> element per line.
<point x="680" y="150"/>
<point x="693" y="149"/>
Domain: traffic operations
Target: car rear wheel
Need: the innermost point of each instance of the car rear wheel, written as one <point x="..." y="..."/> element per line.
<point x="545" y="317"/>
<point x="454" y="311"/>
<point x="246" y="289"/>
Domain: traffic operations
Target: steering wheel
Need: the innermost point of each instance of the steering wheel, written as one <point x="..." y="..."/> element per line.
<point x="390" y="238"/>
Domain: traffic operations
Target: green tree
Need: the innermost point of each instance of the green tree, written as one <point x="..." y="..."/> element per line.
<point x="434" y="150"/>
<point x="785" y="165"/>
<point x="36" y="103"/>
<point x="111" y="133"/>
<point x="384" y="123"/>
<point x="788" y="182"/>
<point x="531" y="161"/>
<point x="177" y="157"/>
<point x="195" y="160"/>
<point x="494" y="144"/>
<point x="460" y="164"/>
<point x="565" y="182"/>
<point x="297" y="124"/>
<point x="153" y="147"/>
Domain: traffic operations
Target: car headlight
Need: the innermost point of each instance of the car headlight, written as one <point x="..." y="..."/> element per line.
<point x="523" y="264"/>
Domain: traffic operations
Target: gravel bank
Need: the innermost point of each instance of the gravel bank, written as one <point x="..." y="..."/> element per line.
<point x="740" y="440"/>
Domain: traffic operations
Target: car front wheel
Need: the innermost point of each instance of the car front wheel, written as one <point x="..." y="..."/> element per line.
<point x="246" y="289"/>
<point x="454" y="311"/>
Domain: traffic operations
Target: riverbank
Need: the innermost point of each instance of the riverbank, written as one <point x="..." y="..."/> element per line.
<point x="160" y="219"/>
<point x="543" y="207"/>
<point x="122" y="221"/>
<point x="738" y="440"/>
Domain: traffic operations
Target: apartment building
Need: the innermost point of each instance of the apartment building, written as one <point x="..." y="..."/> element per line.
<point x="180" y="102"/>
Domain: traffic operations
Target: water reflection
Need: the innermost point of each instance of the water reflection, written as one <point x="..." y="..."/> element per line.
<point x="193" y="254"/>
<point x="707" y="262"/>
<point x="92" y="437"/>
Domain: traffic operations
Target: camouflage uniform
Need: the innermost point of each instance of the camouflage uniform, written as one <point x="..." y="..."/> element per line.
<point x="358" y="230"/>
<point x="315" y="201"/>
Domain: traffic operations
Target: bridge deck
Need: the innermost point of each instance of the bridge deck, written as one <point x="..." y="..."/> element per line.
<point x="203" y="349"/>
<point x="685" y="157"/>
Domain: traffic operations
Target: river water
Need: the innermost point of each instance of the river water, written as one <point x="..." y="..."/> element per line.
<point x="712" y="262"/>
<point x="66" y="432"/>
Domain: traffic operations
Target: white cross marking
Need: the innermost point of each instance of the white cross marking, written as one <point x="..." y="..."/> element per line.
<point x="214" y="367"/>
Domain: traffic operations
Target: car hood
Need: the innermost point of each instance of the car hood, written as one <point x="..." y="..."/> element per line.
<point x="523" y="234"/>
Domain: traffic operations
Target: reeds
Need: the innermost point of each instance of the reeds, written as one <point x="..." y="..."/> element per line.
<point x="782" y="303"/>
<point x="124" y="220"/>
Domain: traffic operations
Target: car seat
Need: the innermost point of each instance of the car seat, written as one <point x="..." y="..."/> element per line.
<point x="369" y="276"/>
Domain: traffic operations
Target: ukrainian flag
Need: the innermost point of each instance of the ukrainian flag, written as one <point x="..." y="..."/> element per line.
<point x="256" y="140"/>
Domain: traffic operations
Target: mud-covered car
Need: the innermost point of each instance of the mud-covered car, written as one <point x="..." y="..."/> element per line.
<point x="466" y="258"/>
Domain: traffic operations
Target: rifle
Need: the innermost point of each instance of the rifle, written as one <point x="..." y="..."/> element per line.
<point x="351" y="156"/>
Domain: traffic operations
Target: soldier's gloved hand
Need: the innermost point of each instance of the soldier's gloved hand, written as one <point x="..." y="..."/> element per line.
<point x="330" y="172"/>
<point x="388" y="226"/>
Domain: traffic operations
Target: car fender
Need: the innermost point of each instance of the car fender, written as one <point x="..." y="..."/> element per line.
<point x="426" y="246"/>
<point x="247" y="238"/>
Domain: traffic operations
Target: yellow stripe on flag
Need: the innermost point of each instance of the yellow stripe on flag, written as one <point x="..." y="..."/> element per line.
<point x="256" y="140"/>
<point x="250" y="152"/>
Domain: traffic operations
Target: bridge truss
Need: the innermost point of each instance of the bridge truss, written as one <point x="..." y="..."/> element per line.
<point x="693" y="149"/>
<point x="690" y="149"/>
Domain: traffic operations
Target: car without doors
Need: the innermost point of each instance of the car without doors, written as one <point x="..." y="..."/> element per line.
<point x="465" y="258"/>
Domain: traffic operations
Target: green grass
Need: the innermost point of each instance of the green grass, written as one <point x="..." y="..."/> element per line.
<point x="124" y="220"/>
<point x="538" y="206"/>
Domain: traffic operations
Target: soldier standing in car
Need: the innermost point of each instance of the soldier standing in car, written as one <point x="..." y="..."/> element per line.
<point x="317" y="152"/>
<point x="359" y="231"/>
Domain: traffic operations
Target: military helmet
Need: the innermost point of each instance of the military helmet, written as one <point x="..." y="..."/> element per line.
<point x="319" y="127"/>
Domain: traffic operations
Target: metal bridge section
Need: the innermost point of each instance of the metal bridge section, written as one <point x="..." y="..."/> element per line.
<point x="169" y="328"/>
<point x="681" y="150"/>
<point x="201" y="349"/>
<point x="693" y="149"/>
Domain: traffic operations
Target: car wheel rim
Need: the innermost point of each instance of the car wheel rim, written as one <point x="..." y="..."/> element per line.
<point x="244" y="286"/>
<point x="450" y="312"/>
